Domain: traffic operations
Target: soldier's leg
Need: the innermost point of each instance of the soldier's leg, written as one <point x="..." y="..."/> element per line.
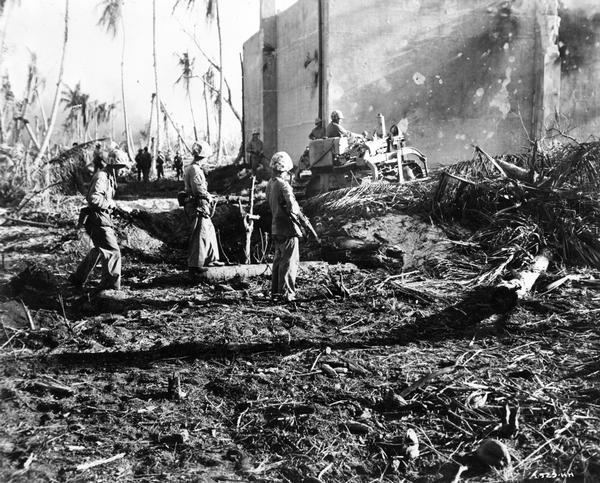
<point x="288" y="268"/>
<point x="85" y="268"/>
<point x="275" y="289"/>
<point x="111" y="258"/>
<point x="194" y="258"/>
<point x="209" y="242"/>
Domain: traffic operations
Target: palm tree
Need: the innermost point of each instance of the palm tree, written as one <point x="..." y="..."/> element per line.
<point x="112" y="19"/>
<point x="32" y="74"/>
<point x="212" y="12"/>
<point x="219" y="140"/>
<point x="54" y="111"/>
<point x="76" y="102"/>
<point x="208" y="80"/>
<point x="187" y="72"/>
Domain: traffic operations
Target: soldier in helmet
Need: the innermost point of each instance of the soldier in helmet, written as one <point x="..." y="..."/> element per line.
<point x="255" y="151"/>
<point x="335" y="129"/>
<point x="97" y="221"/>
<point x="318" y="131"/>
<point x="203" y="249"/>
<point x="285" y="227"/>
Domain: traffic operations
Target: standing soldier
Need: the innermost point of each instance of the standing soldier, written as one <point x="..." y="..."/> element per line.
<point x="99" y="226"/>
<point x="139" y="163"/>
<point x="178" y="165"/>
<point x="98" y="158"/>
<point x="146" y="164"/>
<point x="160" y="166"/>
<point x="255" y="150"/>
<point x="203" y="249"/>
<point x="285" y="228"/>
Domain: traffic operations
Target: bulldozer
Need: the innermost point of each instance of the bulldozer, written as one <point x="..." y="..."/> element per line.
<point x="334" y="163"/>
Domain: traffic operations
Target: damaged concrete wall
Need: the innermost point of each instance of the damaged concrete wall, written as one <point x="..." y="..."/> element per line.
<point x="452" y="73"/>
<point x="268" y="27"/>
<point x="297" y="75"/>
<point x="253" y="99"/>
<point x="579" y="47"/>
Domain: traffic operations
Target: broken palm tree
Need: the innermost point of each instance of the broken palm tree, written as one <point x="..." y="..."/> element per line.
<point x="524" y="220"/>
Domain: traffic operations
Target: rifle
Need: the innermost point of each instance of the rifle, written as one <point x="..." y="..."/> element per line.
<point x="301" y="221"/>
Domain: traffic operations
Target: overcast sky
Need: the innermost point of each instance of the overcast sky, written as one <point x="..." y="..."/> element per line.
<point x="93" y="56"/>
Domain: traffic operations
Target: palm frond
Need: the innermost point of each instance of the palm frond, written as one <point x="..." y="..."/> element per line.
<point x="111" y="15"/>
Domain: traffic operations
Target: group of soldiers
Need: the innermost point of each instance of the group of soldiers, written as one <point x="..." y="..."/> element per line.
<point x="334" y="129"/>
<point x="197" y="202"/>
<point x="143" y="164"/>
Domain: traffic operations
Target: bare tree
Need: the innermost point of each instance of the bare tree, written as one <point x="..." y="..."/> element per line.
<point x="112" y="19"/>
<point x="54" y="111"/>
<point x="157" y="145"/>
<point x="187" y="72"/>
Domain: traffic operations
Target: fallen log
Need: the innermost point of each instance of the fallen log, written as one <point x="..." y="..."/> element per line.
<point x="523" y="283"/>
<point x="223" y="274"/>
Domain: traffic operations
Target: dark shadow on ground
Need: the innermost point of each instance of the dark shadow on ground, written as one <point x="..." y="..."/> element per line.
<point x="458" y="321"/>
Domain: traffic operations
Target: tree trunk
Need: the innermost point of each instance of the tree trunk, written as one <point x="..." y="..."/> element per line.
<point x="525" y="279"/>
<point x="219" y="136"/>
<point x="54" y="112"/>
<point x="189" y="96"/>
<point x="127" y="136"/>
<point x="207" y="116"/>
<point x="157" y="145"/>
<point x="151" y="117"/>
<point x="42" y="110"/>
<point x="179" y="133"/>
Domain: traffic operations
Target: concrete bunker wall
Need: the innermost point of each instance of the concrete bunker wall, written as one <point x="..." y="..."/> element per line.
<point x="579" y="47"/>
<point x="253" y="86"/>
<point x="452" y="73"/>
<point x="297" y="75"/>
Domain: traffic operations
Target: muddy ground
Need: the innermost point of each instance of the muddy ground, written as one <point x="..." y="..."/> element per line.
<point x="324" y="389"/>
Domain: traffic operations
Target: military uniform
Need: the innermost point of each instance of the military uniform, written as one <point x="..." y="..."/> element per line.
<point x="203" y="248"/>
<point x="334" y="130"/>
<point x="285" y="235"/>
<point x="318" y="132"/>
<point x="160" y="166"/>
<point x="178" y="165"/>
<point x="99" y="227"/>
<point x="255" y="150"/>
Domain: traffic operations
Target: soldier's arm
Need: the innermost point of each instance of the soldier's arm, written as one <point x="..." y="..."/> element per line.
<point x="200" y="184"/>
<point x="289" y="199"/>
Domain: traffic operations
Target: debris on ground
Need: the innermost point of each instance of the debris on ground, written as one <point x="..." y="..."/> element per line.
<point x="461" y="345"/>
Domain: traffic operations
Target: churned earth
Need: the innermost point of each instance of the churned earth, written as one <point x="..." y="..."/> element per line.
<point x="177" y="381"/>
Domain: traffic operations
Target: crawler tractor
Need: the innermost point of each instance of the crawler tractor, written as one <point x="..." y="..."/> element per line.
<point x="334" y="163"/>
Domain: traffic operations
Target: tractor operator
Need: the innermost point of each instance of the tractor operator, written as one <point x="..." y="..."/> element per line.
<point x="335" y="129"/>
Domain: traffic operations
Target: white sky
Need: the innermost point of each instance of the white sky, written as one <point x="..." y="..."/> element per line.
<point x="93" y="56"/>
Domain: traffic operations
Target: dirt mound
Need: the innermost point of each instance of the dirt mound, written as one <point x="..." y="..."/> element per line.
<point x="378" y="225"/>
<point x="397" y="235"/>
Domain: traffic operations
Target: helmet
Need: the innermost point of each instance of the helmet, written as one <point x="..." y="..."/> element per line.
<point x="318" y="120"/>
<point x="255" y="132"/>
<point x="337" y="115"/>
<point x="201" y="149"/>
<point x="281" y="162"/>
